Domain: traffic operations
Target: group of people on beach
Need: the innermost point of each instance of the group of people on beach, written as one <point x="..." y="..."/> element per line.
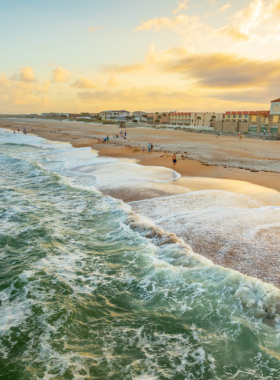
<point x="23" y="130"/>
<point x="150" y="147"/>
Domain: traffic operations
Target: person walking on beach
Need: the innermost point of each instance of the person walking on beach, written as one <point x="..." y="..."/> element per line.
<point x="149" y="147"/>
<point x="152" y="147"/>
<point x="18" y="130"/>
<point x="174" y="159"/>
<point x="107" y="138"/>
<point x="125" y="134"/>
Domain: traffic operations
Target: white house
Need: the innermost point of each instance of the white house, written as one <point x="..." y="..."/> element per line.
<point x="114" y="115"/>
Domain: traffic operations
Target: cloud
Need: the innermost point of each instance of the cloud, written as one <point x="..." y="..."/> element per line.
<point x="166" y="23"/>
<point x="220" y="10"/>
<point x="94" y="28"/>
<point x="112" y="82"/>
<point x="116" y="69"/>
<point x="22" y="95"/>
<point x="83" y="82"/>
<point x="220" y="70"/>
<point x="60" y="75"/>
<point x="236" y="33"/>
<point x="4" y="82"/>
<point x="182" y="5"/>
<point x="43" y="88"/>
<point x="26" y="75"/>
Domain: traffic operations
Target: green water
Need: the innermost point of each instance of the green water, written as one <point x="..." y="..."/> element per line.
<point x="84" y="296"/>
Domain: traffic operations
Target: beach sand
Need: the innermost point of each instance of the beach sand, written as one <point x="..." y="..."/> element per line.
<point x="250" y="167"/>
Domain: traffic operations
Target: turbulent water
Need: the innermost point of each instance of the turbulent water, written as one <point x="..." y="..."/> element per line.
<point x="89" y="290"/>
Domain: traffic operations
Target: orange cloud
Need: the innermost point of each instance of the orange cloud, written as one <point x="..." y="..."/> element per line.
<point x="224" y="70"/>
<point x="83" y="82"/>
<point x="182" y="5"/>
<point x="60" y="75"/>
<point x="123" y="69"/>
<point x="112" y="82"/>
<point x="26" y="75"/>
<point x="43" y="88"/>
<point x="166" y="23"/>
<point x="4" y="82"/>
<point x="235" y="33"/>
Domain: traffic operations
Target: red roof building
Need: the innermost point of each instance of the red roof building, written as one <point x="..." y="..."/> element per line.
<point x="275" y="101"/>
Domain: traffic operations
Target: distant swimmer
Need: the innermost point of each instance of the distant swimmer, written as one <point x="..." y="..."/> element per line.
<point x="174" y="159"/>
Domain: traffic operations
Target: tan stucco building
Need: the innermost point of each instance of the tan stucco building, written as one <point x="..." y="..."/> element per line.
<point x="194" y="118"/>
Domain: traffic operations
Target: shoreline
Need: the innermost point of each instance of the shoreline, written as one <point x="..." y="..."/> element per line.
<point x="187" y="166"/>
<point x="153" y="194"/>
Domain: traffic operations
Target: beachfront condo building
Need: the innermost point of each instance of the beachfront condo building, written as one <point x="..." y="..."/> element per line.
<point x="158" y="118"/>
<point x="274" y="117"/>
<point x="204" y="119"/>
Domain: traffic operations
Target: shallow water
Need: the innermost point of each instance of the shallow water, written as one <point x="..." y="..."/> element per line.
<point x="89" y="290"/>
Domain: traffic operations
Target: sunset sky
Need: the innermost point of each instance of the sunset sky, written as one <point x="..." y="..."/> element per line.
<point x="92" y="55"/>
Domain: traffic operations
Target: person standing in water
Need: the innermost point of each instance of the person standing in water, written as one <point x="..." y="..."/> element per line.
<point x="174" y="159"/>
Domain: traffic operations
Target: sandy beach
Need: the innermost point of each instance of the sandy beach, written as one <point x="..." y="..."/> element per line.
<point x="247" y="168"/>
<point x="200" y="155"/>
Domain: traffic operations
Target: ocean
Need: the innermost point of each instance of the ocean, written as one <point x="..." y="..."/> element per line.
<point x="95" y="288"/>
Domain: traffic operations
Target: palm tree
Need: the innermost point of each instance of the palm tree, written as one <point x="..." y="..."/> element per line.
<point x="164" y="114"/>
<point x="198" y="118"/>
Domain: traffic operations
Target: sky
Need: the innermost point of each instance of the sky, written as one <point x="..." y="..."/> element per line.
<point x="148" y="55"/>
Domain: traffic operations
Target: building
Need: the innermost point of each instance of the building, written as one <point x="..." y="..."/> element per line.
<point x="114" y="115"/>
<point x="139" y="114"/>
<point x="274" y="117"/>
<point x="158" y="118"/>
<point x="195" y="118"/>
<point x="74" y="115"/>
<point x="236" y="116"/>
<point x="258" y="121"/>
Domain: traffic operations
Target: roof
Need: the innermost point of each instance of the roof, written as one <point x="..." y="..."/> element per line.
<point x="276" y="100"/>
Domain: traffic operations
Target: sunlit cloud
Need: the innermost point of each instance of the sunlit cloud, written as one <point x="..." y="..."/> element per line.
<point x="94" y="28"/>
<point x="182" y="5"/>
<point x="112" y="82"/>
<point x="43" y="88"/>
<point x="172" y="23"/>
<point x="4" y="82"/>
<point x="83" y="82"/>
<point x="60" y="75"/>
<point x="220" y="10"/>
<point x="26" y="75"/>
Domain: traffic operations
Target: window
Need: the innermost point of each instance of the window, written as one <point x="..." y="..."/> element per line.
<point x="245" y="116"/>
<point x="275" y="119"/>
<point x="234" y="116"/>
<point x="254" y="118"/>
<point x="228" y="116"/>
